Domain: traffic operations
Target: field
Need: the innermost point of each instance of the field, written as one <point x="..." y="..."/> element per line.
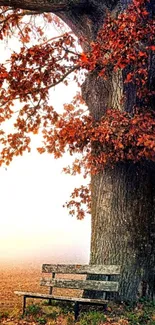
<point x="17" y="278"/>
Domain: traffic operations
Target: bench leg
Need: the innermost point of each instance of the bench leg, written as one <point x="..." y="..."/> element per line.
<point x="50" y="302"/>
<point x="24" y="305"/>
<point x="76" y="310"/>
<point x="50" y="292"/>
<point x="105" y="307"/>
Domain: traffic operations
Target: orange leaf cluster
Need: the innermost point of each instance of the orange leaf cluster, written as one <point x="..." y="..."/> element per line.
<point x="80" y="202"/>
<point x="116" y="137"/>
<point x="130" y="42"/>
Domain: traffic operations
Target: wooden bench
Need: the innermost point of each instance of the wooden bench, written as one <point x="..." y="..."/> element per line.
<point x="93" y="285"/>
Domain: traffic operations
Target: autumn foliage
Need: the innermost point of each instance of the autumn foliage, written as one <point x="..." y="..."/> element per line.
<point x="28" y="76"/>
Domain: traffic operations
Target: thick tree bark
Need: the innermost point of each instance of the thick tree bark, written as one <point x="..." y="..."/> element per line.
<point x="123" y="224"/>
<point x="123" y="197"/>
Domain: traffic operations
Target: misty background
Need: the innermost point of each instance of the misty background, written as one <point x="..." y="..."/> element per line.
<point x="34" y="227"/>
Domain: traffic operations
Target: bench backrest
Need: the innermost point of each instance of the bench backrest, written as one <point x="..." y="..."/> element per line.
<point x="106" y="270"/>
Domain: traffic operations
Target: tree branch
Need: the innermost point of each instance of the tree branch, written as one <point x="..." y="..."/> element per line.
<point x="53" y="6"/>
<point x="84" y="17"/>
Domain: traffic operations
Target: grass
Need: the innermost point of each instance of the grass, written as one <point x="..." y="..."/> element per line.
<point x="143" y="313"/>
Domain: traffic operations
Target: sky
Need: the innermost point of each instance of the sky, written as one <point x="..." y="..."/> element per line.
<point x="34" y="226"/>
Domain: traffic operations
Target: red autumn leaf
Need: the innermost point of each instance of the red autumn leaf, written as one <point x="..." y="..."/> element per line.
<point x="84" y="58"/>
<point x="140" y="53"/>
<point x="129" y="77"/>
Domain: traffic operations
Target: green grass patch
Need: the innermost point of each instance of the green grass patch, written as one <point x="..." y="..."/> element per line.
<point x="92" y="318"/>
<point x="143" y="313"/>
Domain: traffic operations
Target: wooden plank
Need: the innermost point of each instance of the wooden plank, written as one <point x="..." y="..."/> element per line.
<point x="81" y="284"/>
<point x="53" y="297"/>
<point x="81" y="269"/>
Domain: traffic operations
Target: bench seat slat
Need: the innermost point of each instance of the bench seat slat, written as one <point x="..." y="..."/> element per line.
<point x="81" y="269"/>
<point x="53" y="297"/>
<point x="81" y="284"/>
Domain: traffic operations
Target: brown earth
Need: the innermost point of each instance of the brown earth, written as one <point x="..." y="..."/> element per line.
<point x="14" y="278"/>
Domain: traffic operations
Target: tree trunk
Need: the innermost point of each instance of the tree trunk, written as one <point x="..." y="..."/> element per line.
<point x="123" y="202"/>
<point x="123" y="225"/>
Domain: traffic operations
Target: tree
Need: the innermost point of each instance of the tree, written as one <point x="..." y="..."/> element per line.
<point x="116" y="138"/>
